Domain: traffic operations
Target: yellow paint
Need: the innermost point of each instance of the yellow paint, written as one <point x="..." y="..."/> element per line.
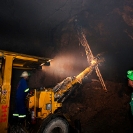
<point x="31" y="102"/>
<point x="4" y="105"/>
<point x="78" y="79"/>
<point x="40" y="100"/>
<point x="1" y="54"/>
<point x="26" y="58"/>
<point x="17" y="60"/>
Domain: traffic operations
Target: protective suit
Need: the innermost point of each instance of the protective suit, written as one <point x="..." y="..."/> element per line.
<point x="130" y="83"/>
<point x="22" y="91"/>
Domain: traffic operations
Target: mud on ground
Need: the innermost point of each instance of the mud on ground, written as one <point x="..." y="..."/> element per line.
<point x="99" y="111"/>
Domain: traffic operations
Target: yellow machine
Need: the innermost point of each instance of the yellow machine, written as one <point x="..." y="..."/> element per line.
<point x="9" y="60"/>
<point x="44" y="103"/>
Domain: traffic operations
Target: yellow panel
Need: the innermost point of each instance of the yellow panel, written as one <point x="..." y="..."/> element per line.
<point x="17" y="65"/>
<point x="31" y="102"/>
<point x="5" y="97"/>
<point x="1" y="54"/>
<point x="47" y="97"/>
<point x="26" y="58"/>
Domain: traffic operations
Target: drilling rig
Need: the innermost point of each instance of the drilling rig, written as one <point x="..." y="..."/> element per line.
<point x="46" y="103"/>
<point x="43" y="104"/>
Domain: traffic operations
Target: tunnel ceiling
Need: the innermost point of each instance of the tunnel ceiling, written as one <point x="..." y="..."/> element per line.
<point x="44" y="27"/>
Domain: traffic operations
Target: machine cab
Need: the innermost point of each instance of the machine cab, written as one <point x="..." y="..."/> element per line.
<point x="9" y="60"/>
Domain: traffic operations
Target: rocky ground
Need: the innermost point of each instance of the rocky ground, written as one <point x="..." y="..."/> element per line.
<point x="99" y="111"/>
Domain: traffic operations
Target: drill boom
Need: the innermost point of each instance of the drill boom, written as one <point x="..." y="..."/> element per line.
<point x="67" y="84"/>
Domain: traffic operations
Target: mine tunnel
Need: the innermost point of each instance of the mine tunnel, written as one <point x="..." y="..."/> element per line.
<point x="49" y="29"/>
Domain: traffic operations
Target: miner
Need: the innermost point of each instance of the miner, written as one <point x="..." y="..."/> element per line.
<point x="22" y="91"/>
<point x="130" y="83"/>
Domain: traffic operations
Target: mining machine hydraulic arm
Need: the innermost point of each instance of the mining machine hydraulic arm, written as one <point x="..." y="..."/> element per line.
<point x="64" y="88"/>
<point x="47" y="101"/>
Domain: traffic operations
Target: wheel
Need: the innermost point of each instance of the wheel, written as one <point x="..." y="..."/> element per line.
<point x="57" y="125"/>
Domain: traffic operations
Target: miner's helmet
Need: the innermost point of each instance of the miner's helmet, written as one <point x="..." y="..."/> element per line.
<point x="130" y="74"/>
<point x="25" y="74"/>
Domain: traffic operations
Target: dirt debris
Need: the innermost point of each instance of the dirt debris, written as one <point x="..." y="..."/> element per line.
<point x="101" y="112"/>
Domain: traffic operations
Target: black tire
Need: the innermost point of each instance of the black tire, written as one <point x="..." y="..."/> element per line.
<point x="57" y="125"/>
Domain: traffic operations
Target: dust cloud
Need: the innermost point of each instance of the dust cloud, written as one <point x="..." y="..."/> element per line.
<point x="61" y="66"/>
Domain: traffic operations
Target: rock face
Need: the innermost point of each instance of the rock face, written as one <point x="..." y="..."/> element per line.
<point x="47" y="28"/>
<point x="101" y="112"/>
